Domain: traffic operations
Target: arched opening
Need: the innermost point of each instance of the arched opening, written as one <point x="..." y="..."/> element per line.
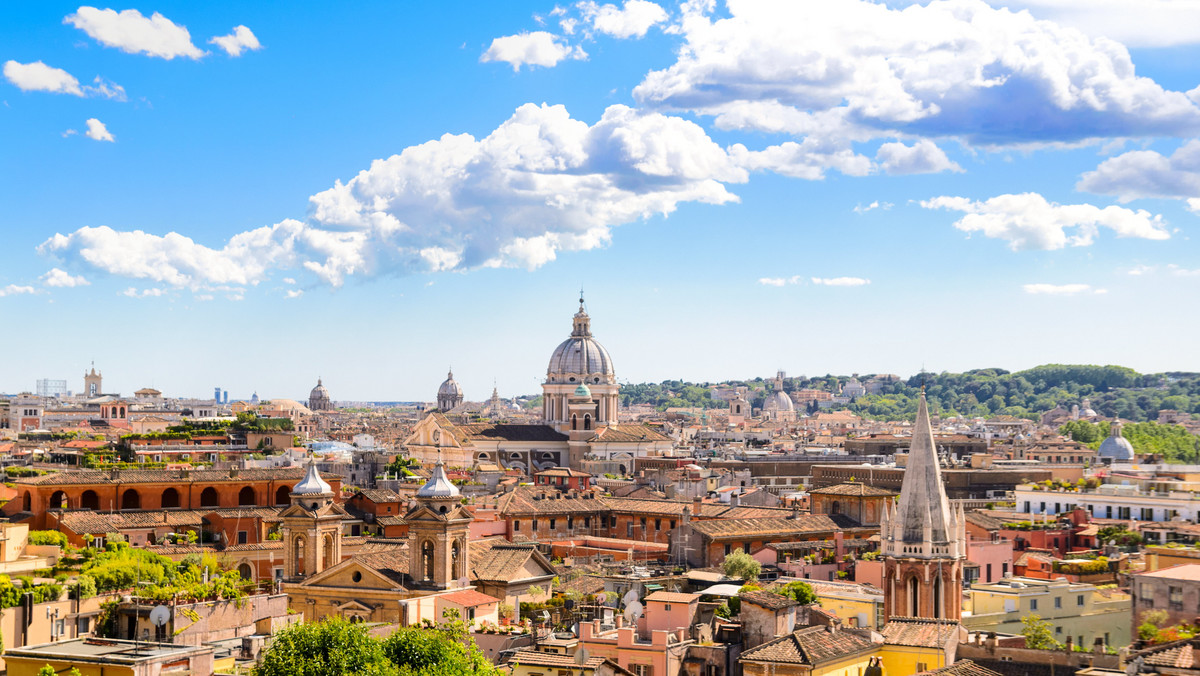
<point x="737" y="410"/>
<point x="209" y="497"/>
<point x="455" y="561"/>
<point x="27" y="501"/>
<point x="122" y="412"/>
<point x="835" y="508"/>
<point x="283" y="495"/>
<point x="427" y="561"/>
<point x="170" y="499"/>
<point x="131" y="500"/>
<point x="937" y="596"/>
<point x="246" y="497"/>
<point x="89" y="500"/>
<point x="574" y="421"/>
<point x="328" y="544"/>
<point x="622" y="468"/>
<point x="912" y="597"/>
<point x="298" y="553"/>
<point x="59" y="500"/>
<point x="587" y="421"/>
<point x="246" y="571"/>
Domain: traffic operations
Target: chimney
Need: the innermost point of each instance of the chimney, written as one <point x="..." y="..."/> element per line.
<point x="696" y="502"/>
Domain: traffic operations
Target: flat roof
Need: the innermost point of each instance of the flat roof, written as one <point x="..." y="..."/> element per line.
<point x="103" y="650"/>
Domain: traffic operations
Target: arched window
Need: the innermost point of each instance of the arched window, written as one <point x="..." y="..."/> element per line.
<point x="283" y="495"/>
<point x="835" y="508"/>
<point x="59" y="500"/>
<point x="209" y="497"/>
<point x="131" y="500"/>
<point x="574" y="421"/>
<point x="245" y="571"/>
<point x="170" y="499"/>
<point x="27" y="501"/>
<point x="89" y="500"/>
<point x="912" y="596"/>
<point x="937" y="596"/>
<point x="587" y="421"/>
<point x="328" y="545"/>
<point x="298" y="553"/>
<point x="427" y="561"/>
<point x="455" y="561"/>
<point x="246" y="497"/>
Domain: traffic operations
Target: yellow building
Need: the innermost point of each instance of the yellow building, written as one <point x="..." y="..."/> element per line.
<point x="913" y="645"/>
<point x="857" y="604"/>
<point x="107" y="657"/>
<point x="1158" y="558"/>
<point x="812" y="651"/>
<point x="1081" y="612"/>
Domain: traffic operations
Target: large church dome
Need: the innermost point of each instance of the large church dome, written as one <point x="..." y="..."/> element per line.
<point x="450" y="387"/>
<point x="779" y="401"/>
<point x="1116" y="446"/>
<point x="318" y="398"/>
<point x="580" y="356"/>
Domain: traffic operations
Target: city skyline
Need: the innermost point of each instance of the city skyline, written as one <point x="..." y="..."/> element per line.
<point x="233" y="195"/>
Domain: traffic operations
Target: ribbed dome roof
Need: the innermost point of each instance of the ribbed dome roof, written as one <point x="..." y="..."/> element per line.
<point x="318" y="392"/>
<point x="779" y="401"/>
<point x="583" y="392"/>
<point x="450" y="385"/>
<point x="1116" y="446"/>
<point x="439" y="485"/>
<point x="312" y="484"/>
<point x="581" y="354"/>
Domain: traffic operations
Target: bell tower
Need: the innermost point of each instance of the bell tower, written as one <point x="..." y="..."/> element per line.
<point x="924" y="539"/>
<point x="92" y="383"/>
<point x="438" y="532"/>
<point x="311" y="527"/>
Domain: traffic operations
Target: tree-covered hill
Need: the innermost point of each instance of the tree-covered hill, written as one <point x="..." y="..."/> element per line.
<point x="1112" y="391"/>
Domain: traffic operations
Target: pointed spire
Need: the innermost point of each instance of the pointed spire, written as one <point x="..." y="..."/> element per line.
<point x="924" y="511"/>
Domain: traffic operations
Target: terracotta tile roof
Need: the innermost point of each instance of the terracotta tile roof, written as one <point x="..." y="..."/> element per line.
<point x="919" y="632"/>
<point x="378" y="495"/>
<point x="1180" y="655"/>
<point x="804" y="523"/>
<point x="853" y="489"/>
<point x="505" y="562"/>
<point x="389" y="559"/>
<point x="768" y="600"/>
<point x="562" y="471"/>
<point x="985" y="521"/>
<point x="468" y="598"/>
<point x="962" y="668"/>
<point x="812" y="646"/>
<point x="627" y="434"/>
<point x="534" y="658"/>
<point x="672" y="597"/>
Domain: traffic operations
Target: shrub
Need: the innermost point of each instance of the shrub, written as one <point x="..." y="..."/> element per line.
<point x="47" y="537"/>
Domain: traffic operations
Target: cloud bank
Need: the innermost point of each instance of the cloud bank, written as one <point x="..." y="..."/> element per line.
<point x="131" y="32"/>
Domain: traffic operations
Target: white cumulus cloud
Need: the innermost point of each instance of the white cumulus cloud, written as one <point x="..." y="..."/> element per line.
<point x="15" y="290"/>
<point x="1146" y="173"/>
<point x="857" y="69"/>
<point x="630" y="21"/>
<point x="130" y="31"/>
<point x="922" y="157"/>
<point x="538" y="48"/>
<point x="540" y="183"/>
<point x="241" y="39"/>
<point x="1029" y="221"/>
<point x="840" y="281"/>
<point x="860" y="209"/>
<point x="97" y="131"/>
<point x="63" y="279"/>
<point x="1137" y="23"/>
<point x="38" y="77"/>
<point x="133" y="292"/>
<point x="1060" y="289"/>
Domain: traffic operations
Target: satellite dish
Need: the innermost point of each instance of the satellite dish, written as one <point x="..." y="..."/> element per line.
<point x="545" y="616"/>
<point x="160" y="616"/>
<point x="569" y="604"/>
<point x="464" y="582"/>
<point x="581" y="656"/>
<point x="631" y="596"/>
<point x="632" y="612"/>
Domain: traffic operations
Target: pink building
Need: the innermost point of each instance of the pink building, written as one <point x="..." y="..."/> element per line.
<point x="669" y="611"/>
<point x="646" y="649"/>
<point x="994" y="557"/>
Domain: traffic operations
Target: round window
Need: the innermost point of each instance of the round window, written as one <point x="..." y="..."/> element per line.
<point x="357" y="576"/>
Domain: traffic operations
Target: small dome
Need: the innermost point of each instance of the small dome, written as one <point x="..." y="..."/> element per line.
<point x="583" y="392"/>
<point x="312" y="484"/>
<point x="450" y="386"/>
<point x="439" y="485"/>
<point x="1116" y="446"/>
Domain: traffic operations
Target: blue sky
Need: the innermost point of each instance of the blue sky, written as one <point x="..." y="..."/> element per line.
<point x="254" y="194"/>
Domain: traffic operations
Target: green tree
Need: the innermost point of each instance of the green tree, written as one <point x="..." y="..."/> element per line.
<point x="332" y="647"/>
<point x="1038" y="634"/>
<point x="741" y="565"/>
<point x="800" y="592"/>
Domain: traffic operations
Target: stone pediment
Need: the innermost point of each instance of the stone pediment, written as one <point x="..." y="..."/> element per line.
<point x="428" y="514"/>
<point x="333" y="509"/>
<point x="357" y="574"/>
